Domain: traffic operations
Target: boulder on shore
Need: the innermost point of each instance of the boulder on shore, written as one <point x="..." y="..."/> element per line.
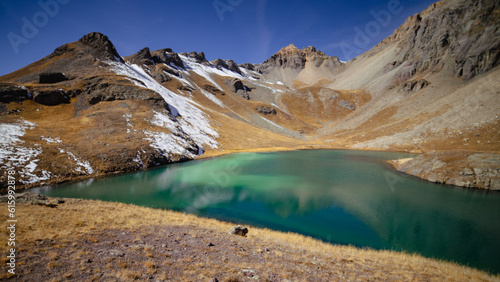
<point x="239" y="230"/>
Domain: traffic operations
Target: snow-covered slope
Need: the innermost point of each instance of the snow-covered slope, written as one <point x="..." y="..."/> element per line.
<point x="185" y="118"/>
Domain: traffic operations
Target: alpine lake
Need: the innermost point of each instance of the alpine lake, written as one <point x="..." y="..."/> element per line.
<point x="338" y="196"/>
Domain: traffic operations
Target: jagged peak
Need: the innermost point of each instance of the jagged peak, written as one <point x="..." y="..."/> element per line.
<point x="102" y="45"/>
<point x="94" y="37"/>
<point x="141" y="57"/>
<point x="144" y="50"/>
<point x="309" y="49"/>
<point x="227" y="64"/>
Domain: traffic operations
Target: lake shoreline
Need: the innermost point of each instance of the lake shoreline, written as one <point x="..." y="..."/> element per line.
<point x="83" y="238"/>
<point x="449" y="175"/>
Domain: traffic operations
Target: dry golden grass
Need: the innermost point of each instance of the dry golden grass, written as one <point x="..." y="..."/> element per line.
<point x="129" y="274"/>
<point x="38" y="223"/>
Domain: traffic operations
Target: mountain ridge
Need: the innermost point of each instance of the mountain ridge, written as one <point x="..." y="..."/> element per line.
<point x="84" y="111"/>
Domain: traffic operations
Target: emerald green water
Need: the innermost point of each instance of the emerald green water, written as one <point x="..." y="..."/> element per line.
<point x="343" y="197"/>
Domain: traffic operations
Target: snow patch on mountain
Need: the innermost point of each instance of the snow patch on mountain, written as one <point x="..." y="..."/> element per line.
<point x="51" y="140"/>
<point x="13" y="156"/>
<point x="212" y="98"/>
<point x="173" y="142"/>
<point x="206" y="71"/>
<point x="128" y="119"/>
<point x="190" y="119"/>
<point x="83" y="167"/>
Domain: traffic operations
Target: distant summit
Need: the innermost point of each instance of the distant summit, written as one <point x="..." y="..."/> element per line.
<point x="290" y="61"/>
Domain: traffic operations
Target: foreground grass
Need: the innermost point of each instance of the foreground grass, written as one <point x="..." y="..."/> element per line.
<point x="94" y="240"/>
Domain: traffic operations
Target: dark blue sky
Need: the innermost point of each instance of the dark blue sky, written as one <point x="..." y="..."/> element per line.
<point x="242" y="30"/>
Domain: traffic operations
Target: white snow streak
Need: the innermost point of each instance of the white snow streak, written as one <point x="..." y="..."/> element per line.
<point x="85" y="165"/>
<point x="50" y="140"/>
<point x="128" y="118"/>
<point x="191" y="120"/>
<point x="14" y="156"/>
<point x="171" y="142"/>
<point x="212" y="98"/>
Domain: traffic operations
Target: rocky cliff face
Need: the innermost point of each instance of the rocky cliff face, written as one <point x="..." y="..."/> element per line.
<point x="466" y="32"/>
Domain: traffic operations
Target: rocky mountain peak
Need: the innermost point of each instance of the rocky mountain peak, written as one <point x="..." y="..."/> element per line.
<point x="291" y="57"/>
<point x="306" y="51"/>
<point x="141" y="57"/>
<point x="289" y="49"/>
<point x="101" y="45"/>
<point x="309" y="50"/>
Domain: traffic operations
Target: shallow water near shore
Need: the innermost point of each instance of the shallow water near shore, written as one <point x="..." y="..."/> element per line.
<point x="338" y="196"/>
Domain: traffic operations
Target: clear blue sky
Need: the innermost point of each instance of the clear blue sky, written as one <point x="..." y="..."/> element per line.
<point x="242" y="30"/>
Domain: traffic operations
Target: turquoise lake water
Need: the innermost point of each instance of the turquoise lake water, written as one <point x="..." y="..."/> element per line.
<point x="342" y="197"/>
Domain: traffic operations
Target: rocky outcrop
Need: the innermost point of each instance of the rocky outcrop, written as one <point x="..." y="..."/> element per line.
<point x="13" y="93"/>
<point x="161" y="77"/>
<point x="346" y="104"/>
<point x="53" y="77"/>
<point x="198" y="57"/>
<point x="161" y="56"/>
<point x="143" y="57"/>
<point x="247" y="66"/>
<point x="235" y="85"/>
<point x="213" y="90"/>
<point x="467" y="31"/>
<point x="414" y="86"/>
<point x="61" y="50"/>
<point x="226" y="64"/>
<point x="97" y="89"/>
<point x="101" y="46"/>
<point x="266" y="110"/>
<point x="239" y="230"/>
<point x="466" y="169"/>
<point x="167" y="56"/>
<point x="186" y="88"/>
<point x="50" y="97"/>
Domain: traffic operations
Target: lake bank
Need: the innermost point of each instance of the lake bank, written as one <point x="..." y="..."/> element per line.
<point x="450" y="173"/>
<point x="83" y="239"/>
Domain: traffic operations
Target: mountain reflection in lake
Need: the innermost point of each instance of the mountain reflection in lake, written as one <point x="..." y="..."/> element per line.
<point x="345" y="197"/>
